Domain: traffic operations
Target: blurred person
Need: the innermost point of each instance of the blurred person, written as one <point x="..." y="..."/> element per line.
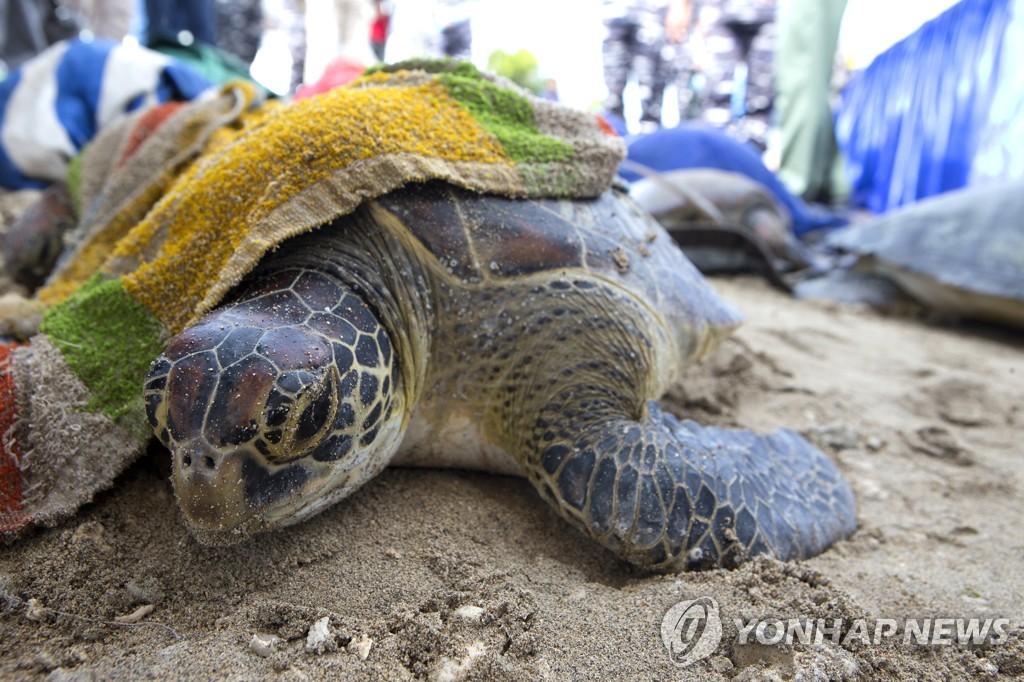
<point x="187" y="31"/>
<point x="430" y="28"/>
<point x="184" y="20"/>
<point x="550" y="91"/>
<point x="354" y="19"/>
<point x="455" y="38"/>
<point x="284" y="22"/>
<point x="105" y="19"/>
<point x="637" y="33"/>
<point x="689" y="82"/>
<point x="379" y="28"/>
<point x="27" y="27"/>
<point x="726" y="74"/>
<point x="293" y="22"/>
<point x="809" y="165"/>
<point x="239" y="27"/>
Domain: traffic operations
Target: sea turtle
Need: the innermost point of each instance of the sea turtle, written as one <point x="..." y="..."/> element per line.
<point x="724" y="221"/>
<point x="446" y="277"/>
<point x="699" y="146"/>
<point x="957" y="254"/>
<point x="32" y="243"/>
<point x="517" y="336"/>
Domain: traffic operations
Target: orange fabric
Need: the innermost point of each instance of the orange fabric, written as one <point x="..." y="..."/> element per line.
<point x="147" y="125"/>
<point x="12" y="506"/>
<point x="605" y="126"/>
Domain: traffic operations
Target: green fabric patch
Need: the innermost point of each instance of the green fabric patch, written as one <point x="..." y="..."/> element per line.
<point x="109" y="341"/>
<point x="504" y="113"/>
<point x="428" y="64"/>
<point x="74" y="178"/>
<point x="508" y="116"/>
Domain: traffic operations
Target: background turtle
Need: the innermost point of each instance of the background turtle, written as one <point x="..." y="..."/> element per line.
<point x="725" y="222"/>
<point x="959" y="254"/>
<point x="32" y="243"/>
<point x="699" y="146"/>
<point x="459" y="329"/>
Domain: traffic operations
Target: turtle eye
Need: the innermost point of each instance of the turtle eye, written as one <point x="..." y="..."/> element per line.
<point x="298" y="420"/>
<point x="153" y="395"/>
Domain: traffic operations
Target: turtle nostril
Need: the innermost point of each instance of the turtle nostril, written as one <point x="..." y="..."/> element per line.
<point x="198" y="458"/>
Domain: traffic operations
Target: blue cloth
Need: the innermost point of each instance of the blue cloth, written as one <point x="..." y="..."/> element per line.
<point x="911" y="124"/>
<point x="53" y="104"/>
<point x="701" y="146"/>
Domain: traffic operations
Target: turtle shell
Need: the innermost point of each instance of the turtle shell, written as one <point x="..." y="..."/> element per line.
<point x="478" y="239"/>
<point x="961" y="253"/>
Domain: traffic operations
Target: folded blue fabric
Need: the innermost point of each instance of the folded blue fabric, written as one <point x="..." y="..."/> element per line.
<point x="700" y="146"/>
<point x="54" y="103"/>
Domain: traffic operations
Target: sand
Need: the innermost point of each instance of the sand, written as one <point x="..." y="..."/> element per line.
<point x="454" y="575"/>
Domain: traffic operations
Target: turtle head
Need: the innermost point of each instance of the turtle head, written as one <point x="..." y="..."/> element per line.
<point x="267" y="426"/>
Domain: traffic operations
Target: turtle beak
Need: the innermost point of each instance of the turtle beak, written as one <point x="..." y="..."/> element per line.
<point x="227" y="495"/>
<point x="206" y="482"/>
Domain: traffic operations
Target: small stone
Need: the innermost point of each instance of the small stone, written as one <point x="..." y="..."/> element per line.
<point x="836" y="436"/>
<point x="72" y="675"/>
<point x="470" y="614"/>
<point x="360" y="646"/>
<point x="871" y="489"/>
<point x="263" y="644"/>
<point x="450" y="670"/>
<point x="621" y="259"/>
<point x="977" y="603"/>
<point x="177" y="651"/>
<point x="91" y="533"/>
<point x="35" y="611"/>
<point x="45" y="660"/>
<point x="577" y="595"/>
<point x="874" y="443"/>
<point x="963" y="403"/>
<point x="986" y="668"/>
<point x="319" y="637"/>
<point x="721" y="665"/>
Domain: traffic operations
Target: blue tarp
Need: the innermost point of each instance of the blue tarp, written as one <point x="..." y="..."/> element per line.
<point x="920" y="118"/>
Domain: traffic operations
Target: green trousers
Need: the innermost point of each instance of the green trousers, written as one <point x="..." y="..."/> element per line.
<point x="806" y="39"/>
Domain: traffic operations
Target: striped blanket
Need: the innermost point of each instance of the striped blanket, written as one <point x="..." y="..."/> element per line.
<point x="56" y="102"/>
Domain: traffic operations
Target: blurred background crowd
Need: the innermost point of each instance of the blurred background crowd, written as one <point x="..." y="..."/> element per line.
<point x="788" y="77"/>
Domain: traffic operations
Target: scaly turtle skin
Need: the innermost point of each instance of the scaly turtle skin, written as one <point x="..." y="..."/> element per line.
<point x="458" y="329"/>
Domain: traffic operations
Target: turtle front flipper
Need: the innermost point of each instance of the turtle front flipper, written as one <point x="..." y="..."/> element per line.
<point x="275" y="405"/>
<point x="657" y="491"/>
<point x="669" y="494"/>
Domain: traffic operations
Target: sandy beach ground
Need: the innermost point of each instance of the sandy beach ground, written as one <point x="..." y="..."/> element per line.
<point x="451" y="575"/>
